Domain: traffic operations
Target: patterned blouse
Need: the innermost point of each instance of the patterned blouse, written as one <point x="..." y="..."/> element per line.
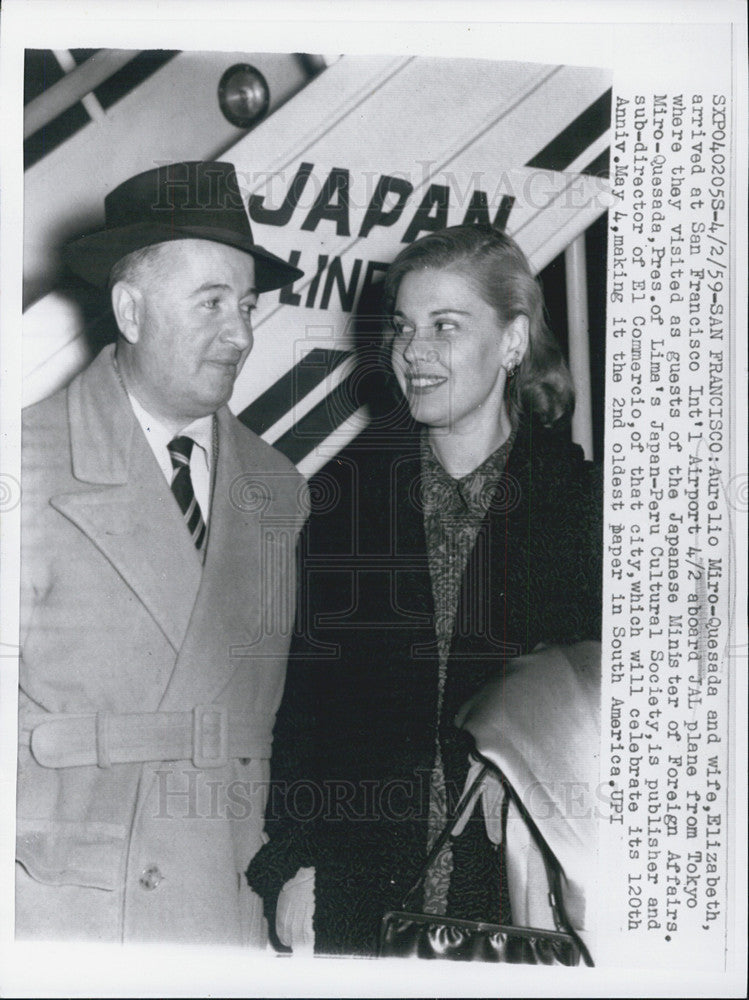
<point x="453" y="512"/>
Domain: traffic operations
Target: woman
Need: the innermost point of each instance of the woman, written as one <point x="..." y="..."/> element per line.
<point x="434" y="554"/>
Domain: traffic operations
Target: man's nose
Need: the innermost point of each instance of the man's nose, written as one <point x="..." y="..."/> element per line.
<point x="238" y="329"/>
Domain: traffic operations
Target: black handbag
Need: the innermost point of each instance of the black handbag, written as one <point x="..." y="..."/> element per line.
<point x="404" y="933"/>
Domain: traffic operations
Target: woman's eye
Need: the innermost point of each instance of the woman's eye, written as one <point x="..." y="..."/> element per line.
<point x="444" y="326"/>
<point x="211" y="303"/>
<point x="400" y="328"/>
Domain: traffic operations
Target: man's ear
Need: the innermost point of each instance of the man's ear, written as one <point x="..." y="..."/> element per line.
<point x="127" y="306"/>
<point x="515" y="341"/>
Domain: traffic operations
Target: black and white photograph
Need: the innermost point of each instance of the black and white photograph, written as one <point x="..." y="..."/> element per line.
<point x="372" y="503"/>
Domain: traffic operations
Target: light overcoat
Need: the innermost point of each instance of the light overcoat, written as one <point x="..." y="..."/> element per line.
<point x="119" y="615"/>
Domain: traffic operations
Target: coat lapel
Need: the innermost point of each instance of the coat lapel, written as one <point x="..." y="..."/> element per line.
<point x="226" y="624"/>
<point x="129" y="513"/>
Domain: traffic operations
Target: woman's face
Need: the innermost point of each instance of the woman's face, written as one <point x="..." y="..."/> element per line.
<point x="449" y="350"/>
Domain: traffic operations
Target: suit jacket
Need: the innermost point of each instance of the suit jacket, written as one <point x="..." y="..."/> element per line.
<point x="119" y="615"/>
<point x="356" y="734"/>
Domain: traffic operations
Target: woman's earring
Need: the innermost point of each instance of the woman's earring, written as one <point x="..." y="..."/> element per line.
<point x="511" y="369"/>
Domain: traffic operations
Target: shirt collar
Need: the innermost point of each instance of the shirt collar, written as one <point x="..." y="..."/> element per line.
<point x="441" y="492"/>
<point x="200" y="430"/>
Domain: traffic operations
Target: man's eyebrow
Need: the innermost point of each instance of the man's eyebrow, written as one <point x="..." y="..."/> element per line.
<point x="219" y="286"/>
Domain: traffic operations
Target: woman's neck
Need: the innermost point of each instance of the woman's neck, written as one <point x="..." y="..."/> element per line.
<point x="461" y="450"/>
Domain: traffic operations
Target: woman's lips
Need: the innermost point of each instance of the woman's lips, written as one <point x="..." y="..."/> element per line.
<point x="421" y="384"/>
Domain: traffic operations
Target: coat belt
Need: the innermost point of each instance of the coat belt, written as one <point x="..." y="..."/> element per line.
<point x="209" y="736"/>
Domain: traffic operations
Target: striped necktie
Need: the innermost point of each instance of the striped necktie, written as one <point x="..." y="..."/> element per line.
<point x="180" y="449"/>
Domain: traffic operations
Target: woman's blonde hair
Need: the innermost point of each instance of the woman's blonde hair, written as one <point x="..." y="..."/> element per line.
<point x="542" y="384"/>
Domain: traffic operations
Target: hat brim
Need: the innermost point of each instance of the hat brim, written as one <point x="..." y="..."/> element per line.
<point x="92" y="257"/>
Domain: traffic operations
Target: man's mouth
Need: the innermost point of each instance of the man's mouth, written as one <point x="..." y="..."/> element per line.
<point x="224" y="362"/>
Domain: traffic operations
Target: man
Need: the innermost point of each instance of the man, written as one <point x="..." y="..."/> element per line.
<point x="157" y="587"/>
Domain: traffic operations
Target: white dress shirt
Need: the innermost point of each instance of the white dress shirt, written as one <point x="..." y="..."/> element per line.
<point x="201" y="431"/>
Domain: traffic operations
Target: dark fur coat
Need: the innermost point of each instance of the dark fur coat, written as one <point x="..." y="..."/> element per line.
<point x="355" y="738"/>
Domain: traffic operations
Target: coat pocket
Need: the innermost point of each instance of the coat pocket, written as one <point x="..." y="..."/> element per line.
<point x="68" y="852"/>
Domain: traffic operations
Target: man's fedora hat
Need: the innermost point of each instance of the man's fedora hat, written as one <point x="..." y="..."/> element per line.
<point x="194" y="200"/>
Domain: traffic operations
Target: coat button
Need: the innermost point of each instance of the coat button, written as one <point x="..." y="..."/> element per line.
<point x="151" y="877"/>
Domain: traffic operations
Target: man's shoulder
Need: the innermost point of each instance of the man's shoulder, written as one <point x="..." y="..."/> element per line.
<point x="50" y="415"/>
<point x="260" y="473"/>
<point x="46" y="412"/>
<point x="45" y="429"/>
<point x="253" y="450"/>
<point x="45" y="449"/>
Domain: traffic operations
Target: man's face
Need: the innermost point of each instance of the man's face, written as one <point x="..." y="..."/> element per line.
<point x="194" y="329"/>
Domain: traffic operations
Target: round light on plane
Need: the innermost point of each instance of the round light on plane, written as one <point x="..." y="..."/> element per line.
<point x="243" y="95"/>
